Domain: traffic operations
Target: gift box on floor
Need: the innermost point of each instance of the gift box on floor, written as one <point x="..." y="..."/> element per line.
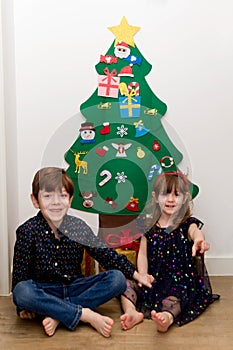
<point x="131" y="255"/>
<point x="88" y="265"/>
<point x="124" y="239"/>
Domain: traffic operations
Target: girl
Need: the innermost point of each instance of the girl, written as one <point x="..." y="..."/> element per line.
<point x="171" y="253"/>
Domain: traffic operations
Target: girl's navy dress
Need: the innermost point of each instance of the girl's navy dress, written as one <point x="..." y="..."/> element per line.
<point x="176" y="273"/>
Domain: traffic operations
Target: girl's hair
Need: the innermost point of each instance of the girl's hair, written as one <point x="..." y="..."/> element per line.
<point x="51" y="179"/>
<point x="165" y="183"/>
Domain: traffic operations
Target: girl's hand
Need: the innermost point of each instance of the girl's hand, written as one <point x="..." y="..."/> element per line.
<point x="143" y="279"/>
<point x="149" y="279"/>
<point x="200" y="245"/>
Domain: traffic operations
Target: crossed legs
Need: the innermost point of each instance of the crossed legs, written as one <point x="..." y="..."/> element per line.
<point x="102" y="324"/>
<point x="82" y="297"/>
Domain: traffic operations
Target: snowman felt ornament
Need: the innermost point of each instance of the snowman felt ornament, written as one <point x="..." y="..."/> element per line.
<point x="87" y="133"/>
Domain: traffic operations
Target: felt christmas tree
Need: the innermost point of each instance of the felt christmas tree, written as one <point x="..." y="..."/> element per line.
<point x="122" y="146"/>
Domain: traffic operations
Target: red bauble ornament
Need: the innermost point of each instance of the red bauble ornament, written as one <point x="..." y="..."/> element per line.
<point x="156" y="146"/>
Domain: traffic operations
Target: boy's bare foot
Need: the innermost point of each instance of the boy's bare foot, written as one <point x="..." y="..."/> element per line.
<point x="130" y="319"/>
<point x="27" y="315"/>
<point x="163" y="320"/>
<point x="50" y="325"/>
<point x="102" y="324"/>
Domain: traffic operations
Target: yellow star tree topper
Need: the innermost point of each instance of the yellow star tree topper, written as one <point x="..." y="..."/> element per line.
<point x="124" y="32"/>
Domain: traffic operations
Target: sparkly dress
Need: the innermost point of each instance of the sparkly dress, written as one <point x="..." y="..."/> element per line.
<point x="176" y="274"/>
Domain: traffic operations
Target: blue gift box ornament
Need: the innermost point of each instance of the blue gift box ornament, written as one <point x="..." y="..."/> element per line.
<point x="130" y="105"/>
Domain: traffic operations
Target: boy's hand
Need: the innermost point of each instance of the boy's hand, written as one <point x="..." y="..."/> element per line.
<point x="143" y="279"/>
<point x="200" y="245"/>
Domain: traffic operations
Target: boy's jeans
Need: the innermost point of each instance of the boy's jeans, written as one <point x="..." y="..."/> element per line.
<point x="65" y="302"/>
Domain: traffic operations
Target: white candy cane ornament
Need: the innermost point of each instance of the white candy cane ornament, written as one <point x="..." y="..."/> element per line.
<point x="107" y="178"/>
<point x="152" y="171"/>
<point x="134" y="85"/>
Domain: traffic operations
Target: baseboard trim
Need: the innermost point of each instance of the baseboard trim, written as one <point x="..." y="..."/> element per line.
<point x="219" y="266"/>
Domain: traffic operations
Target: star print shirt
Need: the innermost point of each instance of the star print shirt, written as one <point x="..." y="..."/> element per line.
<point x="40" y="256"/>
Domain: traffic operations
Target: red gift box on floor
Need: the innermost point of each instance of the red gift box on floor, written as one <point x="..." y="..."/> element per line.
<point x="88" y="265"/>
<point x="108" y="84"/>
<point x="124" y="240"/>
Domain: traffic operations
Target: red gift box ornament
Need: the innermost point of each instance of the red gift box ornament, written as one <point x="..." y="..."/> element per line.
<point x="108" y="84"/>
<point x="133" y="204"/>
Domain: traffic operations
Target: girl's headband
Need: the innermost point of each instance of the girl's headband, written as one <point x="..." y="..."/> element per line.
<point x="175" y="173"/>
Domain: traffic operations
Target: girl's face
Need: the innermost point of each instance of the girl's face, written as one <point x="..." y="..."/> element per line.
<point x="170" y="202"/>
<point x="53" y="205"/>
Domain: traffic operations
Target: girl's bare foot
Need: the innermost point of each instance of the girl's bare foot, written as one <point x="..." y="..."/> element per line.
<point x="50" y="325"/>
<point x="130" y="319"/>
<point x="163" y="320"/>
<point x="102" y="324"/>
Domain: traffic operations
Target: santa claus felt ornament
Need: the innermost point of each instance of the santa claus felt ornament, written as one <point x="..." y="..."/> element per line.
<point x="122" y="50"/>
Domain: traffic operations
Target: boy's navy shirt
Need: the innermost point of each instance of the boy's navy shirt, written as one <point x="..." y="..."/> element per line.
<point x="40" y="256"/>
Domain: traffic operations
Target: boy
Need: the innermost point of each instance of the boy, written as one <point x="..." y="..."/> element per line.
<point x="47" y="279"/>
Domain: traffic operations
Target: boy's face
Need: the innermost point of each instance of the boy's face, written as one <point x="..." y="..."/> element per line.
<point x="53" y="205"/>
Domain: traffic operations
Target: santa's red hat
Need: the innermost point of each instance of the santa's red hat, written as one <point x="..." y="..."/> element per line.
<point x="126" y="72"/>
<point x="122" y="43"/>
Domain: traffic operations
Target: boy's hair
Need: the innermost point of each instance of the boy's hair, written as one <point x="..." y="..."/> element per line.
<point x="165" y="183"/>
<point x="51" y="179"/>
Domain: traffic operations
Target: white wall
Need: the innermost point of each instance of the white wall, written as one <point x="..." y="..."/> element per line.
<point x="189" y="44"/>
<point x="9" y="157"/>
<point x="4" y="253"/>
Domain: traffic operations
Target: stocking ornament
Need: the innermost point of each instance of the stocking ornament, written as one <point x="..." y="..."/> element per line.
<point x="106" y="129"/>
<point x="101" y="151"/>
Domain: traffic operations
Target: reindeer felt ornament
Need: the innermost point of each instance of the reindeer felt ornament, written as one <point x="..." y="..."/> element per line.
<point x="80" y="164"/>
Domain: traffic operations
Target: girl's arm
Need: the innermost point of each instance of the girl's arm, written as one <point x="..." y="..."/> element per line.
<point x="142" y="263"/>
<point x="198" y="238"/>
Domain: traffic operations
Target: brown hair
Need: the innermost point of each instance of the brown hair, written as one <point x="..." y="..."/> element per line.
<point x="165" y="183"/>
<point x="51" y="179"/>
